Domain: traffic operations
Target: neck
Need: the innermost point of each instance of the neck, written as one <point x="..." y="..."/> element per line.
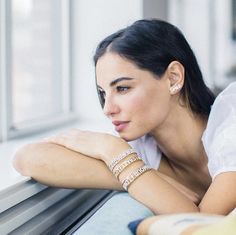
<point x="179" y="137"/>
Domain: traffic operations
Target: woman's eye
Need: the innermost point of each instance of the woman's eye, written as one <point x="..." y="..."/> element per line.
<point x="122" y="88"/>
<point x="102" y="96"/>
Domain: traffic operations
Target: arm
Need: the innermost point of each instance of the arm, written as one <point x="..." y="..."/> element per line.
<point x="156" y="193"/>
<point x="55" y="165"/>
<point x="220" y="198"/>
<point x="58" y="166"/>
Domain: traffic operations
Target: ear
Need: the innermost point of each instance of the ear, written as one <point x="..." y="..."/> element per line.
<point x="175" y="74"/>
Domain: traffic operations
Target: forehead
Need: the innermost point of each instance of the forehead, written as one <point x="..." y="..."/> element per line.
<point x="112" y="66"/>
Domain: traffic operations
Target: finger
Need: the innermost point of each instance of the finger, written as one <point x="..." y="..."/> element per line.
<point x="48" y="139"/>
<point x="59" y="139"/>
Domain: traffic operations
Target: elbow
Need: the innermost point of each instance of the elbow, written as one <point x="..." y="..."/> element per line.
<point x="23" y="160"/>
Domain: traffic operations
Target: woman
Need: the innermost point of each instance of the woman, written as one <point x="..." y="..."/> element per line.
<point x="151" y="88"/>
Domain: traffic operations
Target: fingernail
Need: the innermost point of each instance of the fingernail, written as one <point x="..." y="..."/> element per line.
<point x="134" y="225"/>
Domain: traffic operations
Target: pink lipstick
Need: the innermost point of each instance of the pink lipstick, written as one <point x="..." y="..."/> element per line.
<point x="119" y="125"/>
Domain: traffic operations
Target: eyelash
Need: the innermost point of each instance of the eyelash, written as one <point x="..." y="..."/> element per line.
<point x="122" y="88"/>
<point x="102" y="94"/>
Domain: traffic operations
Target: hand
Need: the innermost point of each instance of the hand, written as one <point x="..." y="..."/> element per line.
<point x="93" y="144"/>
<point x="144" y="226"/>
<point x="141" y="226"/>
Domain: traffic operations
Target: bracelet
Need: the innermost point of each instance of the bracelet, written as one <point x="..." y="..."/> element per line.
<point x="117" y="170"/>
<point x="120" y="157"/>
<point x="134" y="175"/>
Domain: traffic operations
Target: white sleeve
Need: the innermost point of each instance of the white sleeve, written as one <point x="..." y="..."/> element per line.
<point x="147" y="149"/>
<point x="219" y="138"/>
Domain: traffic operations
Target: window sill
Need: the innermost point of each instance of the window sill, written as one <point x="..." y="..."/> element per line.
<point x="26" y="205"/>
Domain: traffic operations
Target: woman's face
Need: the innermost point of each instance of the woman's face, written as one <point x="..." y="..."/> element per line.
<point x="135" y="100"/>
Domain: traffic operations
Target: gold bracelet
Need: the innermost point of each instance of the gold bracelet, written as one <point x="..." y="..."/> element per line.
<point x="117" y="170"/>
<point x="134" y="175"/>
<point x="121" y="156"/>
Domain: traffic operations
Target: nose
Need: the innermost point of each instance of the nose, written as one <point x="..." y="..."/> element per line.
<point x="110" y="107"/>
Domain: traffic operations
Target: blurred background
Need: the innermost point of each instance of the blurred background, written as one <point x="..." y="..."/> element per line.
<point x="46" y="49"/>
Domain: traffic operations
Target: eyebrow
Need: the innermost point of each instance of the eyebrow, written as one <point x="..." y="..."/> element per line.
<point x="114" y="82"/>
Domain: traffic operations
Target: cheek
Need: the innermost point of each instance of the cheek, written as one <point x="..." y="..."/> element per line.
<point x="136" y="104"/>
<point x="150" y="108"/>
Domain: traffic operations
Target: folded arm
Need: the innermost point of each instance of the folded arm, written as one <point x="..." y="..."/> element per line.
<point x="58" y="166"/>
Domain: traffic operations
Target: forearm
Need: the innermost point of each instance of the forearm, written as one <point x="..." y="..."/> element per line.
<point x="58" y="166"/>
<point x="150" y="188"/>
<point x="159" y="195"/>
<point x="55" y="165"/>
<point x="194" y="197"/>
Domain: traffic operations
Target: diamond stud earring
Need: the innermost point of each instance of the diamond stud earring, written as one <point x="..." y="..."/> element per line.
<point x="175" y="88"/>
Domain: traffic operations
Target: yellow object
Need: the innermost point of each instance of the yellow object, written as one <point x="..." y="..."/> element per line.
<point x="227" y="226"/>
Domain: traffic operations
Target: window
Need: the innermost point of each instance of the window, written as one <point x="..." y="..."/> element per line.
<point x="35" y="86"/>
<point x="223" y="32"/>
<point x="234" y="19"/>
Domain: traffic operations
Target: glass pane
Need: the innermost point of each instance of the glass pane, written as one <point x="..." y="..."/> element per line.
<point x="36" y="46"/>
<point x="234" y="19"/>
<point x="224" y="57"/>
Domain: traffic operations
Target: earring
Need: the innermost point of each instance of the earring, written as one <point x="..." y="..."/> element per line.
<point x="175" y="88"/>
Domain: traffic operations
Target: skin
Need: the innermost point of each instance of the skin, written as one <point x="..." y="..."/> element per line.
<point x="149" y="105"/>
<point x="149" y="98"/>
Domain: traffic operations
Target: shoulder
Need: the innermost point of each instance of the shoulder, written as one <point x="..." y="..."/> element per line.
<point x="226" y="100"/>
<point x="219" y="137"/>
<point x="223" y="111"/>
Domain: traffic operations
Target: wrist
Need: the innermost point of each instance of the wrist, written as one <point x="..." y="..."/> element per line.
<point x="116" y="146"/>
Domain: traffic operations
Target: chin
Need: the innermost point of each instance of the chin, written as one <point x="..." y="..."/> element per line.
<point x="128" y="137"/>
<point x="124" y="137"/>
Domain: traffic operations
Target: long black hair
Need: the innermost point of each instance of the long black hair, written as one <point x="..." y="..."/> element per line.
<point x="152" y="45"/>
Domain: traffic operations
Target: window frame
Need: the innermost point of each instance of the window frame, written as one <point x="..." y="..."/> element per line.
<point x="7" y="129"/>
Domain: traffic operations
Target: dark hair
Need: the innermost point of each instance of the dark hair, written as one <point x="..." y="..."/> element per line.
<point x="152" y="45"/>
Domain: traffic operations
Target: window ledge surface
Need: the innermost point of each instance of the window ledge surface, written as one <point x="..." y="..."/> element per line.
<point x="27" y="206"/>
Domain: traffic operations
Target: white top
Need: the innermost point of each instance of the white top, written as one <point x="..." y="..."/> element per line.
<point x="219" y="137"/>
<point x="147" y="149"/>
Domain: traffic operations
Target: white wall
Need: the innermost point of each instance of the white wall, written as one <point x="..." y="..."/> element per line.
<point x="224" y="52"/>
<point x="92" y="21"/>
<point x="193" y="18"/>
<point x="207" y="27"/>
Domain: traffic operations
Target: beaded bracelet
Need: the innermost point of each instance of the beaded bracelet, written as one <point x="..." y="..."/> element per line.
<point x="117" y="170"/>
<point x="121" y="156"/>
<point x="134" y="175"/>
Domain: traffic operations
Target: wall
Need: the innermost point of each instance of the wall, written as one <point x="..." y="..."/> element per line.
<point x="92" y="21"/>
<point x="207" y="27"/>
<point x="156" y="9"/>
<point x="193" y="18"/>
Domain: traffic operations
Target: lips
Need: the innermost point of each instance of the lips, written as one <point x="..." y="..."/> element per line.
<point x="120" y="125"/>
